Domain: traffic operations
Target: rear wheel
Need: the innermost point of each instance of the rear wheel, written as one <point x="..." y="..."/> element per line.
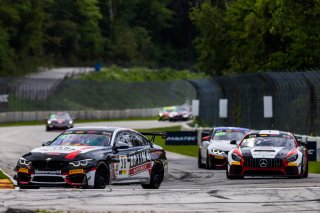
<point x="210" y="162"/>
<point x="156" y="177"/>
<point x="102" y="176"/>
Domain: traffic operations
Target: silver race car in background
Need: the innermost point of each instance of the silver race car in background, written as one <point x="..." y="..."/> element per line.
<point x="213" y="150"/>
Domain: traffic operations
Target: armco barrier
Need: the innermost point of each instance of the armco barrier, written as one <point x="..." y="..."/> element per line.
<point x="313" y="142"/>
<point x="7" y="117"/>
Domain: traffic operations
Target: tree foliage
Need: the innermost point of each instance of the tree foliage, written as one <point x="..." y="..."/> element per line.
<point x="263" y="35"/>
<point x="219" y="36"/>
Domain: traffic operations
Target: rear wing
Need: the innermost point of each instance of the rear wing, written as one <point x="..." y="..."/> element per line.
<point x="154" y="134"/>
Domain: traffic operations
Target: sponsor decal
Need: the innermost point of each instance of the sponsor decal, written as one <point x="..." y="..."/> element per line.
<point x="218" y="157"/>
<point x="23" y="170"/>
<point x="76" y="171"/>
<point x="141" y="168"/>
<point x="57" y="172"/>
<point x="139" y="158"/>
<point x="182" y="138"/>
<point x="122" y="172"/>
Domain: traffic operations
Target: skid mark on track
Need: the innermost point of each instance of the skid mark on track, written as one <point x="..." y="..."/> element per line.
<point x="214" y="193"/>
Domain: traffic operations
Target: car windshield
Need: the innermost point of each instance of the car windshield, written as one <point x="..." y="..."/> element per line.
<point x="60" y="116"/>
<point x="268" y="141"/>
<point x="228" y="135"/>
<point x="75" y="139"/>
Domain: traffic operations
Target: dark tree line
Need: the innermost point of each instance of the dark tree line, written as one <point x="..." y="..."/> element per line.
<point x="215" y="36"/>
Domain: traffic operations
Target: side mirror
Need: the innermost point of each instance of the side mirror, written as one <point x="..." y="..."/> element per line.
<point x="206" y="138"/>
<point x="120" y="145"/>
<point x="46" y="143"/>
<point x="233" y="142"/>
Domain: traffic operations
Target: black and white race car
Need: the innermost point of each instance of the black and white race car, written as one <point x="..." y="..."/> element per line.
<point x="268" y="153"/>
<point x="93" y="157"/>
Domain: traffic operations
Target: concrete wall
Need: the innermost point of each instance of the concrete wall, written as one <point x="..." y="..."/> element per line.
<point x="7" y="117"/>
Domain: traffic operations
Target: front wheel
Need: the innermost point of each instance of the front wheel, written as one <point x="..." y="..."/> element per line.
<point x="200" y="164"/>
<point x="306" y="172"/>
<point x="102" y="176"/>
<point x="156" y="177"/>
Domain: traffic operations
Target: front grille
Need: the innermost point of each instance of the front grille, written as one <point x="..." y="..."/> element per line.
<point x="49" y="165"/>
<point x="48" y="179"/>
<point x="263" y="162"/>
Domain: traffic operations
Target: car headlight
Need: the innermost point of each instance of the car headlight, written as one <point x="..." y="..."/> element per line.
<point x="70" y="122"/>
<point x="49" y="122"/>
<point x="217" y="151"/>
<point x="235" y="157"/>
<point x="78" y="163"/>
<point x="292" y="158"/>
<point x="24" y="161"/>
<point x="160" y="114"/>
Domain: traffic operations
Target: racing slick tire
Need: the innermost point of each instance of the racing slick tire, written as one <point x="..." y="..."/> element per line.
<point x="200" y="164"/>
<point x="209" y="162"/>
<point x="306" y="173"/>
<point x="48" y="128"/>
<point x="102" y="176"/>
<point x="231" y="177"/>
<point x="156" y="177"/>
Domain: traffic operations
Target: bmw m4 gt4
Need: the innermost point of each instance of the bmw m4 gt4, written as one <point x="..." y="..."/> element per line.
<point x="93" y="157"/>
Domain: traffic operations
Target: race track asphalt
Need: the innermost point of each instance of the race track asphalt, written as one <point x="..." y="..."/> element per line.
<point x="189" y="189"/>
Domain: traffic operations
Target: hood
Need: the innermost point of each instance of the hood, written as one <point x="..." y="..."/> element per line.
<point x="65" y="149"/>
<point x="61" y="152"/>
<point x="264" y="152"/>
<point x="223" y="145"/>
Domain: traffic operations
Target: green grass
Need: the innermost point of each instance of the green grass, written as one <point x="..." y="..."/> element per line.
<point x="3" y="176"/>
<point x="314" y="167"/>
<point x="189" y="150"/>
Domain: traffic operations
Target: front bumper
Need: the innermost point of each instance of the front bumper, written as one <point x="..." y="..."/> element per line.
<point x="219" y="160"/>
<point x="71" y="178"/>
<point x="287" y="171"/>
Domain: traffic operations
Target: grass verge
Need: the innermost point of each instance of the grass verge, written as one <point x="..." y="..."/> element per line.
<point x="2" y="175"/>
<point x="314" y="167"/>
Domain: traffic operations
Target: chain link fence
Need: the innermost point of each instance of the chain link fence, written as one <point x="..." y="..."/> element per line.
<point x="295" y="101"/>
<point x="30" y="94"/>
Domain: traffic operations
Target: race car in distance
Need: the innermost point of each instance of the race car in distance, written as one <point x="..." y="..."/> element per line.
<point x="213" y="151"/>
<point x="93" y="157"/>
<point x="164" y="113"/>
<point x="59" y="120"/>
<point x="268" y="153"/>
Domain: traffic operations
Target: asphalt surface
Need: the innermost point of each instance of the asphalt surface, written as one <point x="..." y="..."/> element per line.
<point x="188" y="189"/>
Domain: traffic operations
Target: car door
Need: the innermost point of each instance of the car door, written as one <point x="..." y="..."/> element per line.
<point x="140" y="159"/>
<point x="121" y="163"/>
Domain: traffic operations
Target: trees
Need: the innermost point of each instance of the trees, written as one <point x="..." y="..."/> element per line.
<point x="259" y="35"/>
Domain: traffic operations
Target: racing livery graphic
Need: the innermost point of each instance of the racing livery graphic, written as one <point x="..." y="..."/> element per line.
<point x="213" y="151"/>
<point x="93" y="157"/>
<point x="268" y="153"/>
